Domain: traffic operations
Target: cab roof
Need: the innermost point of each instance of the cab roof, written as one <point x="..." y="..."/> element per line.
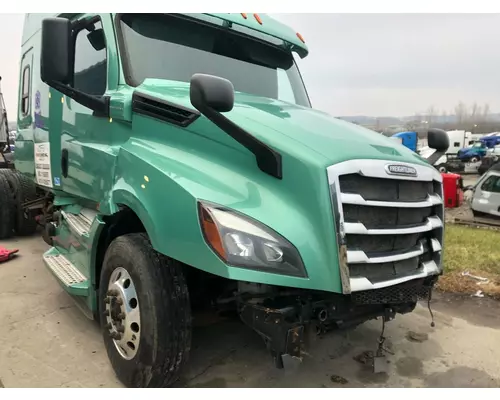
<point x="258" y="23"/>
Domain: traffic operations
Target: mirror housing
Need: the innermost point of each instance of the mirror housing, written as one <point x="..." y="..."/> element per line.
<point x="211" y="91"/>
<point x="438" y="139"/>
<point x="56" y="63"/>
<point x="55" y="60"/>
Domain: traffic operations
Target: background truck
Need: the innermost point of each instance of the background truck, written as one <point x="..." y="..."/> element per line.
<point x="180" y="167"/>
<point x="480" y="148"/>
<point x="444" y="163"/>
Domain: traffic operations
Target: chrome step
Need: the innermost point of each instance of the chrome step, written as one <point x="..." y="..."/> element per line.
<point x="80" y="223"/>
<point x="64" y="270"/>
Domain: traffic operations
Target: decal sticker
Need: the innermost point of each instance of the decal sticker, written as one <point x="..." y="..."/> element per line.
<point x="38" y="112"/>
<point x="37" y="100"/>
<point x="57" y="181"/>
<point x="42" y="164"/>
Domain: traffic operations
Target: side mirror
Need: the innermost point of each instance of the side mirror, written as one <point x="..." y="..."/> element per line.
<point x="55" y="60"/>
<point x="438" y="139"/>
<point x="211" y="91"/>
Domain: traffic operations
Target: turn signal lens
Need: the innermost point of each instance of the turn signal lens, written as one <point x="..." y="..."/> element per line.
<point x="211" y="232"/>
<point x="300" y="37"/>
<point x="258" y="18"/>
<point x="244" y="15"/>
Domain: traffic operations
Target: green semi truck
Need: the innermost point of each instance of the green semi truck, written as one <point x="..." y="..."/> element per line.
<point x="175" y="164"/>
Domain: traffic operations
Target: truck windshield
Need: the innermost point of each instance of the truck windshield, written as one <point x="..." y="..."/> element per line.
<point x="174" y="48"/>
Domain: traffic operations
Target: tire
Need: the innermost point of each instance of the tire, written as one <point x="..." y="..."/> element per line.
<point x="7" y="208"/>
<point x="162" y="299"/>
<point x="24" y="189"/>
<point x="442" y="168"/>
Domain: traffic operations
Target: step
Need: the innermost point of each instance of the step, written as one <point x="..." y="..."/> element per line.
<point x="68" y="275"/>
<point x="80" y="223"/>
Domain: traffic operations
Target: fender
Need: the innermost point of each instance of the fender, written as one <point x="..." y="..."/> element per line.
<point x="162" y="185"/>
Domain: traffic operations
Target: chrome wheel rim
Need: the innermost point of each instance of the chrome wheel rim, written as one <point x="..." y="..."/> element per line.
<point x="123" y="316"/>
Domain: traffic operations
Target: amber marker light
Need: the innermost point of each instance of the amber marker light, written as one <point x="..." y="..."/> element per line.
<point x="211" y="232"/>
<point x="258" y="18"/>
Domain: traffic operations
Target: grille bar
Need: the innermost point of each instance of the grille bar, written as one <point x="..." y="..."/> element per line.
<point x="360" y="257"/>
<point x="358" y="228"/>
<point x="351" y="198"/>
<point x="361" y="283"/>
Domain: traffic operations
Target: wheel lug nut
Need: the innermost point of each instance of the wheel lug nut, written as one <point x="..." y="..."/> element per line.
<point x="107" y="300"/>
<point x="107" y="326"/>
<point x="121" y="329"/>
<point x="112" y="293"/>
<point x="121" y="316"/>
<point x="119" y="301"/>
<point x="106" y="313"/>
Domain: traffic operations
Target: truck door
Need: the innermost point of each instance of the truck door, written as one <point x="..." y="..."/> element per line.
<point x="487" y="195"/>
<point x="86" y="161"/>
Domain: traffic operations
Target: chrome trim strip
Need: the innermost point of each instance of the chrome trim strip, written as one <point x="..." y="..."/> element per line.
<point x="359" y="284"/>
<point x="338" y="217"/>
<point x="376" y="169"/>
<point x="351" y="198"/>
<point x="360" y="257"/>
<point x="357" y="228"/>
<point x="436" y="246"/>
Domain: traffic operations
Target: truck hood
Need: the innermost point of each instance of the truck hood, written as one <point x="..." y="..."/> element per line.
<point x="276" y="122"/>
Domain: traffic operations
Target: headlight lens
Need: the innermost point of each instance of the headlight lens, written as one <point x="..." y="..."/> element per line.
<point x="243" y="242"/>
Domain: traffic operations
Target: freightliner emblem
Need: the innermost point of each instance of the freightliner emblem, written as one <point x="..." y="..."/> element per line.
<point x="398" y="169"/>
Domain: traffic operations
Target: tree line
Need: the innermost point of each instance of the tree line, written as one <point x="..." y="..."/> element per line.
<point x="475" y="118"/>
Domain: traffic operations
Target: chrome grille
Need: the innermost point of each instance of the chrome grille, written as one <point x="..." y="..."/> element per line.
<point x="389" y="226"/>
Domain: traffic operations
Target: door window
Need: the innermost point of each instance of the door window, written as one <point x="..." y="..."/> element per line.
<point x="90" y="70"/>
<point x="491" y="184"/>
<point x="26" y="91"/>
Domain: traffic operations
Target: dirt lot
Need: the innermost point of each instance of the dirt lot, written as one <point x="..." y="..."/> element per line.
<point x="49" y="343"/>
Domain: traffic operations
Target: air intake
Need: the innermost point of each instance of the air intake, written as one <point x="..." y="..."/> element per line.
<point x="163" y="110"/>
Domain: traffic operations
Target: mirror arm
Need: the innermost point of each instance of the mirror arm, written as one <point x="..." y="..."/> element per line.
<point x="100" y="105"/>
<point x="268" y="160"/>
<point x="431" y="159"/>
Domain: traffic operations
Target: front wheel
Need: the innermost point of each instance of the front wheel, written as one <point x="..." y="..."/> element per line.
<point x="145" y="313"/>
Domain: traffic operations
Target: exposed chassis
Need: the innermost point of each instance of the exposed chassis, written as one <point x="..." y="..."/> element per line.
<point x="285" y="320"/>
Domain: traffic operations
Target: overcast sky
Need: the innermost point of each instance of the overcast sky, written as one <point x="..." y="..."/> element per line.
<point x="366" y="64"/>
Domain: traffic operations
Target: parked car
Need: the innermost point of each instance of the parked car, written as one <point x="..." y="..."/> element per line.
<point x="485" y="199"/>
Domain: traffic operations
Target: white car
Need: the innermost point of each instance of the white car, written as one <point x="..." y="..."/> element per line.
<point x="485" y="197"/>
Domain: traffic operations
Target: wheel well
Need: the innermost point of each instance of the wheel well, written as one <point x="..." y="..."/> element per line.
<point x="121" y="223"/>
<point x="206" y="285"/>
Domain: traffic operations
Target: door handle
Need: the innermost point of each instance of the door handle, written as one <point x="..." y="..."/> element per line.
<point x="64" y="163"/>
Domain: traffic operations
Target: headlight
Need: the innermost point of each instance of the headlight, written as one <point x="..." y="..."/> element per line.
<point x="243" y="242"/>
